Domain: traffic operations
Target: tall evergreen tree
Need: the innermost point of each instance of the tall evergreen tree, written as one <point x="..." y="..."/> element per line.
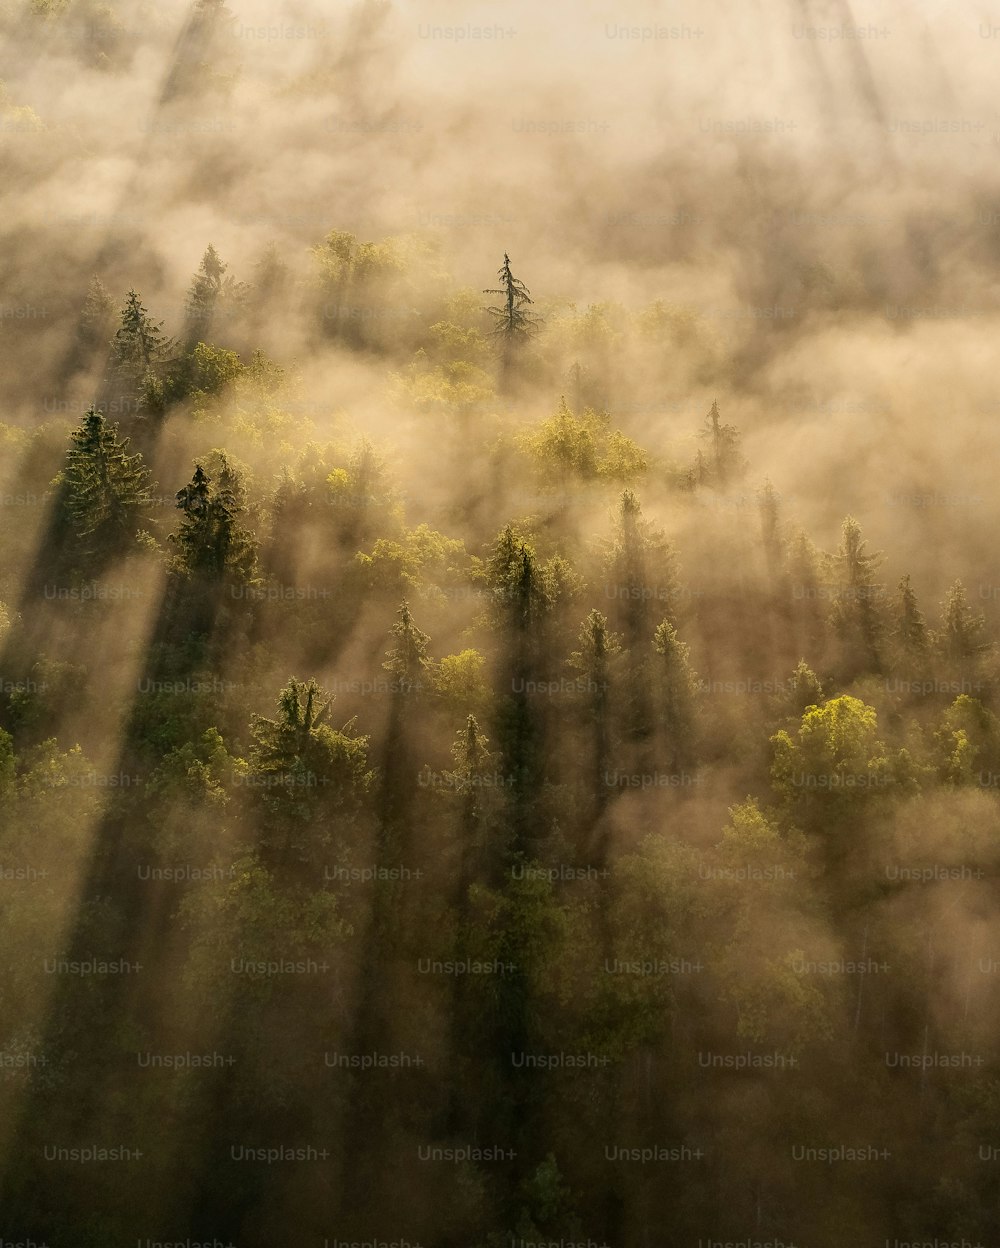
<point x="140" y="353"/>
<point x="857" y="615"/>
<point x="104" y="488"/>
<point x="407" y="660"/>
<point x="724" y="461"/>
<point x="598" y="648"/>
<point x="512" y="320"/>
<point x="961" y="634"/>
<point x="139" y="343"/>
<point x="301" y="770"/>
<point x="675" y="696"/>
<point x="517" y="586"/>
<point x="804" y="689"/>
<point x="910" y="630"/>
<point x="210" y="540"/>
<point x="520" y="603"/>
<point x="641" y="570"/>
<point x="211" y="292"/>
<point x="513" y="323"/>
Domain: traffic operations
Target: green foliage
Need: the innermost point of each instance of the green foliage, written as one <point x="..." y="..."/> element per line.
<point x="519" y="594"/>
<point x="367" y="290"/>
<point x="52" y="687"/>
<point x="210" y="542"/>
<point x="641" y="569"/>
<point x="140" y="352"/>
<point x="512" y="321"/>
<point x="254" y="918"/>
<point x="806" y="689"/>
<point x="910" y="631"/>
<point x="455" y="385"/>
<point x="967" y="742"/>
<point x="196" y="772"/>
<point x="598" y="647"/>
<point x="834" y="763"/>
<point x="408" y="659"/>
<point x="961" y="636"/>
<point x="632" y="922"/>
<point x="676" y="688"/>
<point x="459" y="681"/>
<point x="585" y="447"/>
<point x="308" y="780"/>
<point x="205" y="371"/>
<point x="212" y="295"/>
<point x="422" y="555"/>
<point x="104" y="489"/>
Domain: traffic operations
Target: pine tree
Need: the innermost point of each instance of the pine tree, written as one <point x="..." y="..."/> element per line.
<point x="676" y="693"/>
<point x="211" y="292"/>
<point x="806" y="688"/>
<point x="856" y="614"/>
<point x="961" y="633"/>
<point x="303" y="770"/>
<point x="641" y="569"/>
<point x="139" y="343"/>
<point x="270" y="274"/>
<point x="279" y="741"/>
<point x="140" y="352"/>
<point x="513" y="324"/>
<point x="598" y="649"/>
<point x="516" y="583"/>
<point x="724" y="459"/>
<point x="472" y="761"/>
<point x="520" y="605"/>
<point x="910" y="631"/>
<point x="210" y="540"/>
<point x="268" y="290"/>
<point x="512" y="321"/>
<point x="407" y="660"/>
<point x="105" y="489"/>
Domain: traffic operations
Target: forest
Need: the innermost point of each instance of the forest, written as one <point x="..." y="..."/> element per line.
<point x="497" y="749"/>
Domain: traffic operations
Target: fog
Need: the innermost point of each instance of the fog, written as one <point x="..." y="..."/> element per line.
<point x="790" y="210"/>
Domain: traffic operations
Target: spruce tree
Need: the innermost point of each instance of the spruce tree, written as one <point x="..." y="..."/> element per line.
<point x="407" y="660"/>
<point x="139" y="343"/>
<point x="676" y="694"/>
<point x="961" y="634"/>
<point x="856" y="613"/>
<point x="641" y="569"/>
<point x="516" y="583"/>
<point x="210" y="540"/>
<point x="105" y="489"/>
<point x="724" y="461"/>
<point x="140" y="353"/>
<point x="512" y="320"/>
<point x="910" y="631"/>
<point x="513" y="323"/>
<point x="598" y="649"/>
<point x="302" y="771"/>
<point x="211" y="292"/>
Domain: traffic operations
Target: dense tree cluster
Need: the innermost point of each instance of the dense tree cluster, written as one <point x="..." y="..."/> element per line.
<point x="594" y="823"/>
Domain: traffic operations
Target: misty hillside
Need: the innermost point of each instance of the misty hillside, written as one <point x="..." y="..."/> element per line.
<point x="499" y="624"/>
